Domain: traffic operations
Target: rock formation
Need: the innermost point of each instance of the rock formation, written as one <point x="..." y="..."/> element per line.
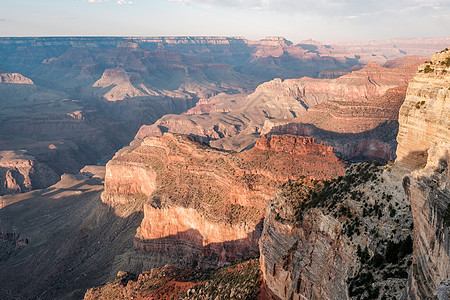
<point x="343" y="239"/>
<point x="239" y="281"/>
<point x="204" y="202"/>
<point x="354" y="103"/>
<point x="428" y="191"/>
<point x="15" y="78"/>
<point x="423" y="145"/>
<point x="304" y="236"/>
<point x="424" y="116"/>
<point x="20" y="172"/>
<point x="122" y="87"/>
<point x="356" y="126"/>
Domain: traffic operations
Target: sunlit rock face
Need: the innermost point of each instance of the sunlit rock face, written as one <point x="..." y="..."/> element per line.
<point x="423" y="147"/>
<point x="424" y="116"/>
<point x="203" y="206"/>
<point x="356" y="103"/>
<point x="20" y="172"/>
<point x="358" y="112"/>
<point x="15" y="78"/>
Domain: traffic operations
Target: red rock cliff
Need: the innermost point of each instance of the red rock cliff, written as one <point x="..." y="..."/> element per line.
<point x="204" y="206"/>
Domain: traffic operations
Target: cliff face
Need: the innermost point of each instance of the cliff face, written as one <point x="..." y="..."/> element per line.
<point x="206" y="202"/>
<point x="357" y="102"/>
<point x="338" y="239"/>
<point x="428" y="191"/>
<point x="424" y="116"/>
<point x="423" y="145"/>
<point x="358" y="115"/>
<point x="20" y="173"/>
<point x="14" y="78"/>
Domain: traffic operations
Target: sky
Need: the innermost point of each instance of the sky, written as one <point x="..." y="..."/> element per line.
<point x="297" y="20"/>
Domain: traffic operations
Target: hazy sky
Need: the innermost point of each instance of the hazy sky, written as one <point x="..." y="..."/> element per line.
<point x="322" y="20"/>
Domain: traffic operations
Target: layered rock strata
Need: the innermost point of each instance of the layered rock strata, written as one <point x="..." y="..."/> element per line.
<point x="344" y="239"/>
<point x="428" y="191"/>
<point x="205" y="202"/>
<point x="357" y="127"/>
<point x="423" y="146"/>
<point x="20" y="172"/>
<point x="424" y="116"/>
<point x="356" y="102"/>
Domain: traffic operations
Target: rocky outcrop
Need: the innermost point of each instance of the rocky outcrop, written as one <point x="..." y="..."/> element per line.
<point x="424" y="116"/>
<point x="121" y="85"/>
<point x="14" y="78"/>
<point x="428" y="191"/>
<point x="20" y="173"/>
<point x="338" y="239"/>
<point x="206" y="202"/>
<point x="370" y="82"/>
<point x="239" y="281"/>
<point x="423" y="146"/>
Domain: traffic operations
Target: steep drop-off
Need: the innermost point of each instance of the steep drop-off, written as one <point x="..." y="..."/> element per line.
<point x="343" y="239"/>
<point x="424" y="116"/>
<point x="204" y="206"/>
<point x="20" y="172"/>
<point x="306" y="223"/>
<point x="423" y="146"/>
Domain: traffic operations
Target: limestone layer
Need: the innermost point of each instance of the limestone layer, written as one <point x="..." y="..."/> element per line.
<point x="424" y="116"/>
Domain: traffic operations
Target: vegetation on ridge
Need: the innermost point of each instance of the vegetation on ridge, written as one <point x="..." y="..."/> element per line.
<point x="372" y="219"/>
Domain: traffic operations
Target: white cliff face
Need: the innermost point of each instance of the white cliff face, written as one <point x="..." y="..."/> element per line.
<point x="425" y="115"/>
<point x="423" y="146"/>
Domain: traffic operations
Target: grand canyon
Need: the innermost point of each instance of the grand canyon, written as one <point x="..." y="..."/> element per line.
<point x="213" y="167"/>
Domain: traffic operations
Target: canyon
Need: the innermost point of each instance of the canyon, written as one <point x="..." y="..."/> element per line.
<point x="356" y="113"/>
<point x="74" y="101"/>
<point x="250" y="148"/>
<point x="204" y="202"/>
<point x="305" y="235"/>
